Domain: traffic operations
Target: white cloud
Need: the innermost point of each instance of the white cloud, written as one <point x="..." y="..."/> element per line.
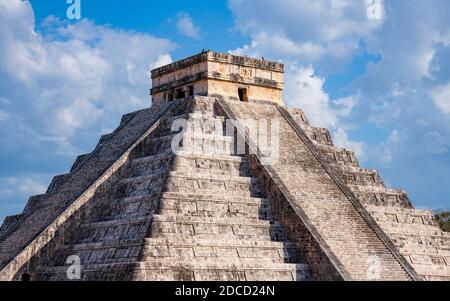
<point x="387" y="149"/>
<point x="323" y="32"/>
<point x="185" y="26"/>
<point x="74" y="80"/>
<point x="163" y="60"/>
<point x="434" y="143"/>
<point x="60" y="89"/>
<point x="341" y="139"/>
<point x="404" y="93"/>
<point x="16" y="190"/>
<point x="281" y="45"/>
<point x="25" y="186"/>
<point x="3" y="116"/>
<point x="441" y="98"/>
<point x="305" y="90"/>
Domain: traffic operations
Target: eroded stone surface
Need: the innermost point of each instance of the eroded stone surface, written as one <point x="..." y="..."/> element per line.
<point x="135" y="209"/>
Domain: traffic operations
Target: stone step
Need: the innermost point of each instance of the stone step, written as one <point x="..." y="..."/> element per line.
<point x="241" y="191"/>
<point x="221" y="250"/>
<point x="183" y="271"/>
<point x="131" y="228"/>
<point x="120" y="271"/>
<point x="410" y="229"/>
<point x="215" y="197"/>
<point x="197" y="201"/>
<point x="104" y="252"/>
<point x="149" y="165"/>
<point x="129" y="209"/>
<point x="155" y="146"/>
<point x="237" y="179"/>
<point x="134" y="219"/>
<point x="217" y="241"/>
<point x="140" y="185"/>
<point x="441" y="242"/>
<point x="375" y="189"/>
<point x="197" y="127"/>
<point x="402" y="215"/>
<point x="361" y="177"/>
<point x="429" y="250"/>
<point x="397" y="210"/>
<point x="433" y="270"/>
<point x="196" y="143"/>
<point x="202" y="137"/>
<point x="336" y="155"/>
<point x="208" y="184"/>
<point x="176" y="218"/>
<point x="214" y="165"/>
<point x="213" y="170"/>
<point x="190" y="271"/>
<point x="213" y="208"/>
<point x="152" y="261"/>
<point x="227" y="236"/>
<point x="233" y="228"/>
<point x="205" y="116"/>
<point x="381" y="196"/>
<point x="320" y="136"/>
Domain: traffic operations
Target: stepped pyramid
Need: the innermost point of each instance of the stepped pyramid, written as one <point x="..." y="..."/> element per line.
<point x="169" y="195"/>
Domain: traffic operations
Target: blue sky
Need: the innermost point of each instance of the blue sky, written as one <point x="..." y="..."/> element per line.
<point x="213" y="18"/>
<point x="380" y="83"/>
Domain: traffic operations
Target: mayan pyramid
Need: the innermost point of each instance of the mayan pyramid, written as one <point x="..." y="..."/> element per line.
<point x="169" y="195"/>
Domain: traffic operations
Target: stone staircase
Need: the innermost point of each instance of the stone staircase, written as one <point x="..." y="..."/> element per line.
<point x="199" y="215"/>
<point x="415" y="232"/>
<point x="204" y="213"/>
<point x="213" y="223"/>
<point x="345" y="232"/>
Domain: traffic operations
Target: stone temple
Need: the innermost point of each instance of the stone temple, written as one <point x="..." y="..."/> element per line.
<point x="135" y="209"/>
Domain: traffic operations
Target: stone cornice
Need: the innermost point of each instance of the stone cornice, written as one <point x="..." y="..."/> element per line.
<point x="216" y="76"/>
<point x="212" y="56"/>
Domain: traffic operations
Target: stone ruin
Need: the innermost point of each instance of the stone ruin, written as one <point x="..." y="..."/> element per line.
<point x="133" y="209"/>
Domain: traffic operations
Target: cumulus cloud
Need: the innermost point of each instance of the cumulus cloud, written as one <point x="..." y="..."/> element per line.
<point x="389" y="147"/>
<point x="400" y="105"/>
<point x="14" y="188"/>
<point x="341" y="139"/>
<point x="25" y="187"/>
<point x="304" y="89"/>
<point x="435" y="144"/>
<point x="185" y="26"/>
<point x="77" y="76"/>
<point x="441" y="98"/>
<point x="64" y="86"/>
<point x="325" y="32"/>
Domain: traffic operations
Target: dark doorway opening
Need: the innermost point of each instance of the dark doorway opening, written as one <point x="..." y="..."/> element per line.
<point x="179" y="94"/>
<point x="170" y="97"/>
<point x="190" y="91"/>
<point x="243" y="94"/>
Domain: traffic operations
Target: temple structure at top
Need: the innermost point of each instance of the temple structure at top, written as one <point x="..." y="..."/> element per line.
<point x="211" y="73"/>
